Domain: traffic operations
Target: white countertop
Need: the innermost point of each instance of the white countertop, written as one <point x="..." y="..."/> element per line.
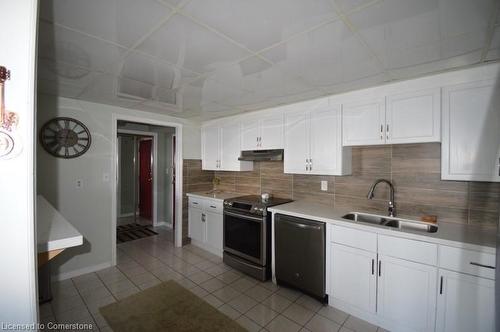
<point x="53" y="230"/>
<point x="217" y="195"/>
<point x="457" y="235"/>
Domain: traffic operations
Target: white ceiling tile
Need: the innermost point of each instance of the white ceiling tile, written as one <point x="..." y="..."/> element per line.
<point x="326" y="56"/>
<point x="406" y="33"/>
<point x="66" y="46"/>
<point x="119" y="21"/>
<point x="349" y="5"/>
<point x="58" y="89"/>
<point x="104" y="90"/>
<point x="259" y="23"/>
<point x="188" y="45"/>
<point x="63" y="73"/>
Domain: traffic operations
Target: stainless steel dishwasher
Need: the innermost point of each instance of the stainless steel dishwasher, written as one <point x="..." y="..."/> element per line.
<point x="299" y="250"/>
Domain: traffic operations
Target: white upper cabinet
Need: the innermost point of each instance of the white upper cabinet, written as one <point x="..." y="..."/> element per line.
<point x="470" y="149"/>
<point x="264" y="133"/>
<point x="364" y="122"/>
<point x="220" y="145"/>
<point x="413" y="117"/>
<point x="313" y="141"/>
<point x="210" y="148"/>
<point x="410" y="117"/>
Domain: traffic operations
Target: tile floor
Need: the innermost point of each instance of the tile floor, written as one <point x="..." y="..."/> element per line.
<point x="257" y="306"/>
<point x="130" y="220"/>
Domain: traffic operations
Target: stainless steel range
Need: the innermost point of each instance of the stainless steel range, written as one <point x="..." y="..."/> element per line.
<point x="247" y="234"/>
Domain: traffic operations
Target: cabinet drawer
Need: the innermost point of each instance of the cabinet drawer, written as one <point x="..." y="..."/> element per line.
<point x="213" y="206"/>
<point x="354" y="238"/>
<point x="411" y="250"/>
<point x="467" y="261"/>
<point x="195" y="202"/>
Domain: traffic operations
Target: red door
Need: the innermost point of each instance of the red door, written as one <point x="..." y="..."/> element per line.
<point x="145" y="179"/>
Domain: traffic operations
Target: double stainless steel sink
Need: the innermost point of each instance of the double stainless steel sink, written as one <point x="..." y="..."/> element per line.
<point x="402" y="224"/>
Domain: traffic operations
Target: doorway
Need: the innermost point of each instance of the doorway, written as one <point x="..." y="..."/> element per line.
<point x="136" y="158"/>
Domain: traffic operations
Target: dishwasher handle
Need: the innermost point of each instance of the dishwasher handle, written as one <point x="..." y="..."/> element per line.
<point x="301" y="225"/>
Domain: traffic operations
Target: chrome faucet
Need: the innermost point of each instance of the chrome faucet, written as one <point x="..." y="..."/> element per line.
<point x="392" y="205"/>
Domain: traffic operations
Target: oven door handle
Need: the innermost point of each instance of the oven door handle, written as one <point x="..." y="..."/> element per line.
<point x="243" y="216"/>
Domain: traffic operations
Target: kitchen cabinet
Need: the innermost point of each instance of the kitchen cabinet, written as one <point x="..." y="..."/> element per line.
<point x="413" y="117"/>
<point x="364" y="122"/>
<point x="205" y="222"/>
<point x="406" y="293"/>
<point x="465" y="303"/>
<point x="470" y="149"/>
<point x="265" y="133"/>
<point x="353" y="278"/>
<point x="221" y="148"/>
<point x="313" y="141"/>
<point x="410" y="117"/>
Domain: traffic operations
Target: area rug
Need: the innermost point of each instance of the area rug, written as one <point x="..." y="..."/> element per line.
<point x="130" y="232"/>
<point x="166" y="307"/>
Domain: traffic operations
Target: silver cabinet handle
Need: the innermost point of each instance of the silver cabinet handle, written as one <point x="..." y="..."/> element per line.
<point x="482" y="265"/>
<point x="203" y="217"/>
<point x="310" y="164"/>
<point x="381" y="131"/>
<point x="307" y="165"/>
<point x="379" y="268"/>
<point x="387" y="131"/>
<point x="373" y="266"/>
<point x="441" y="285"/>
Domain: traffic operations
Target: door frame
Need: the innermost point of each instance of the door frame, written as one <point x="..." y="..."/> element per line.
<point x="178" y="178"/>
<point x="155" y="167"/>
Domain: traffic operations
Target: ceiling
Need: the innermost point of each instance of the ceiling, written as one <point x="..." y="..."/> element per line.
<point x="205" y="59"/>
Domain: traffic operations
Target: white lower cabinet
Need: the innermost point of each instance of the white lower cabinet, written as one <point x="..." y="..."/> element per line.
<point x="465" y="303"/>
<point x="205" y="221"/>
<point x="406" y="293"/>
<point x="353" y="276"/>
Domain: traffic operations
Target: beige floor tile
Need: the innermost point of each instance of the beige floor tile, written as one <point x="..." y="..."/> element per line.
<point x="277" y="303"/>
<point x="242" y="303"/>
<point x="333" y="314"/>
<point x="261" y="314"/>
<point x="198" y="291"/>
<point x="290" y="294"/>
<point x="281" y="324"/>
<point x="298" y="314"/>
<point x="218" y="270"/>
<point x="321" y="324"/>
<point x="359" y="325"/>
<point x="186" y="283"/>
<point x="229" y="276"/>
<point x="309" y="303"/>
<point x="226" y="294"/>
<point x="200" y="277"/>
<point x="229" y="311"/>
<point x="95" y="294"/>
<point x="258" y="293"/>
<point x="212" y="285"/>
<point x="248" y="324"/>
<point x="94" y="306"/>
<point x="213" y="301"/>
<point x="60" y="305"/>
<point x="243" y="284"/>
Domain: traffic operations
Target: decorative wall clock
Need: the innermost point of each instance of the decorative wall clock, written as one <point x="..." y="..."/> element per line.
<point x="65" y="138"/>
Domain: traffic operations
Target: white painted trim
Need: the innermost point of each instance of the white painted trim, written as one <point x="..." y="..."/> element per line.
<point x="79" y="272"/>
<point x="178" y="178"/>
<point x="155" y="167"/>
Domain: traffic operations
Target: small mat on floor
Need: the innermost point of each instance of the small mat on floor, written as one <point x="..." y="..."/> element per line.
<point x="166" y="307"/>
<point x="131" y="232"/>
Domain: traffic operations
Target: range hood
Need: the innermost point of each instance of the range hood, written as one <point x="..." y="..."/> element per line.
<point x="261" y="155"/>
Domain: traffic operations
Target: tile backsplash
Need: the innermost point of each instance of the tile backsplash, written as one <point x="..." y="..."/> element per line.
<point x="413" y="168"/>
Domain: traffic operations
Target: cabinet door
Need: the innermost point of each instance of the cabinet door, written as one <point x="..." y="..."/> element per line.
<point x="353" y="276"/>
<point x="296" y="143"/>
<point x="210" y="148"/>
<point x="465" y="303"/>
<point x="471" y="132"/>
<point x="326" y="141"/>
<point x="407" y="293"/>
<point x="271" y="132"/>
<point x="364" y="123"/>
<point x="195" y="224"/>
<point x="414" y="117"/>
<point x="214" y="231"/>
<point x="250" y="133"/>
<point x="230" y="149"/>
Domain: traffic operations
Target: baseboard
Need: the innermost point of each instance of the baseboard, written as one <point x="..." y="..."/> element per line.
<point x="126" y="215"/>
<point x="79" y="272"/>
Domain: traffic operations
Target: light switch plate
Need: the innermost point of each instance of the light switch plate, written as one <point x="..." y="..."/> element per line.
<point x="324" y="185"/>
<point x="79" y="183"/>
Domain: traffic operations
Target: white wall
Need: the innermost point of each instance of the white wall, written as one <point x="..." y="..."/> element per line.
<point x="18" y="296"/>
<point x="88" y="208"/>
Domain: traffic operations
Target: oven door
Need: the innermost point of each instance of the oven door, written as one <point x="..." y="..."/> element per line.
<point x="245" y="236"/>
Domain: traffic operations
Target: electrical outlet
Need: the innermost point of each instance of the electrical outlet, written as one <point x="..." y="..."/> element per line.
<point x="324" y="185"/>
<point x="79" y="184"/>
